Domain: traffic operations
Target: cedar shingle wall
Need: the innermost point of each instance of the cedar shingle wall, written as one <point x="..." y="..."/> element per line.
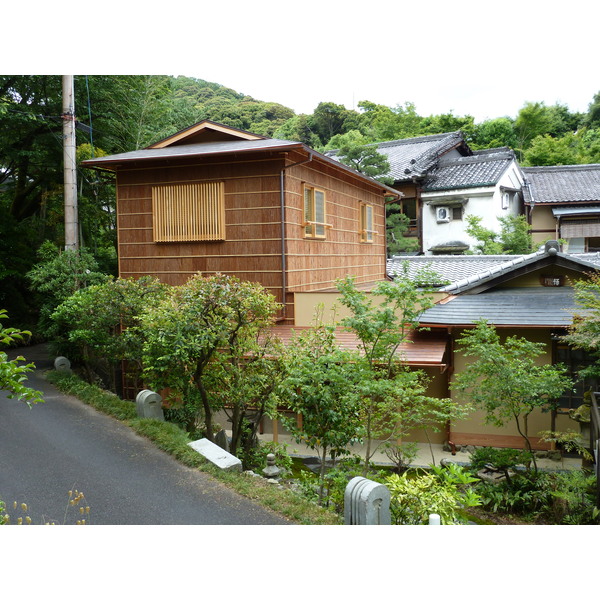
<point x="252" y="249"/>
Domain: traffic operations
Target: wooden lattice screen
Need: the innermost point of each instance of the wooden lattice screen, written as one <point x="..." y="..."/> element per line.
<point x="189" y="212"/>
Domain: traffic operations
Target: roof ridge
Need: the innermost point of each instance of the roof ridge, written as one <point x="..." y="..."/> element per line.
<point x="541" y="169"/>
<point x="432" y="137"/>
<point x="465" y="160"/>
<point x="488" y="273"/>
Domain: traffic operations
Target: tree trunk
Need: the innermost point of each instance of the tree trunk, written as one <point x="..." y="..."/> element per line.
<point x="322" y="475"/>
<point x="208" y="424"/>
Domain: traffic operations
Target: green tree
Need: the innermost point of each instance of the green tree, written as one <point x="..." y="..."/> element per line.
<point x="505" y="380"/>
<point x="592" y="118"/>
<point x="536" y="119"/>
<point x="533" y="120"/>
<point x="514" y="236"/>
<point x="445" y="123"/>
<point x="394" y="398"/>
<point x="193" y="326"/>
<point x="355" y="152"/>
<point x="584" y="332"/>
<point x="100" y="325"/>
<point x="322" y="387"/>
<point x="330" y="119"/>
<point x="245" y="380"/>
<point x="547" y="150"/>
<point x="12" y="374"/>
<point x="131" y="111"/>
<point x="494" y="133"/>
<point x="298" y="129"/>
<point x="383" y="123"/>
<point x="58" y="275"/>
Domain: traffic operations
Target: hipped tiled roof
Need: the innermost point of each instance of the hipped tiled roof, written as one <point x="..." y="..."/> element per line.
<point x="562" y="184"/>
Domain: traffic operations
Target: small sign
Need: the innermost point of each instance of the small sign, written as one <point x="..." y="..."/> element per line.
<point x="553" y="280"/>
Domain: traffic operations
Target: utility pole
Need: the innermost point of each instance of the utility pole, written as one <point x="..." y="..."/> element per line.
<point x="70" y="167"/>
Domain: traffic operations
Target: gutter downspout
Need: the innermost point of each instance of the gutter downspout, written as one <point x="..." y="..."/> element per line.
<point x="283" y="233"/>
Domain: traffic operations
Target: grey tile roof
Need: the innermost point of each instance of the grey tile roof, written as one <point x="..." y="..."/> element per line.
<point x="190" y="150"/>
<point x="533" y="307"/>
<point x="589" y="261"/>
<point x="483" y="168"/>
<point x="561" y="184"/>
<point x="449" y="268"/>
<point x="464" y="272"/>
<point x="413" y="157"/>
<point x="220" y="148"/>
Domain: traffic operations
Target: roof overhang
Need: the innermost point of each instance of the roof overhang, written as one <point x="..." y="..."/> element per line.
<point x="233" y="148"/>
<point x="421" y="349"/>
<point x="530" y="308"/>
<point x="575" y="211"/>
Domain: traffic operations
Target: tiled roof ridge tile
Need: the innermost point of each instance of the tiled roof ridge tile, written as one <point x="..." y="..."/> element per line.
<point x="553" y="168"/>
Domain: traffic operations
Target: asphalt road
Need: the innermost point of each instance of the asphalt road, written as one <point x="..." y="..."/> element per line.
<point x="63" y="445"/>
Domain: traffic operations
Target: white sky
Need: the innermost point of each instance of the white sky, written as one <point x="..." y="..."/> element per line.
<point x="472" y="57"/>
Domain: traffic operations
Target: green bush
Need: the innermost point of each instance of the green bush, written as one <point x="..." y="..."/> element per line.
<point x="560" y="497"/>
<point x="504" y="460"/>
<point x="444" y="491"/>
<point x="256" y="457"/>
<point x="573" y="498"/>
<point x="523" y="495"/>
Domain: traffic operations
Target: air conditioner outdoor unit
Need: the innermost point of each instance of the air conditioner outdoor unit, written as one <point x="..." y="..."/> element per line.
<point x="442" y="214"/>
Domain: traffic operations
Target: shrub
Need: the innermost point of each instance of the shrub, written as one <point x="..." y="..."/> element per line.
<point x="572" y="498"/>
<point x="505" y="460"/>
<point x="444" y="491"/>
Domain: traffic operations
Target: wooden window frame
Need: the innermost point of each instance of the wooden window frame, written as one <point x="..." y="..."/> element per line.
<point x="189" y="212"/>
<point x="367" y="233"/>
<point x="314" y="227"/>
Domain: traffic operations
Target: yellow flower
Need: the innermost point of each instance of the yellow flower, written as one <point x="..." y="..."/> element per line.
<point x="24" y="507"/>
<point x="28" y="519"/>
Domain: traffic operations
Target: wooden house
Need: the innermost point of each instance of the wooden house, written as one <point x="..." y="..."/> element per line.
<point x="215" y="199"/>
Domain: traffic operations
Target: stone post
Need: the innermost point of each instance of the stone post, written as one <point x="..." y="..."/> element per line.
<point x="366" y="502"/>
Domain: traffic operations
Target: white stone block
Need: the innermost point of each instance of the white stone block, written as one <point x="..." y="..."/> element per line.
<point x="216" y="455"/>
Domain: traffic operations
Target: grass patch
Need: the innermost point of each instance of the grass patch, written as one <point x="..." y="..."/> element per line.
<point x="174" y="441"/>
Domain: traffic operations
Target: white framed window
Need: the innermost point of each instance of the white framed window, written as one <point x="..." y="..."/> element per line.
<point x="367" y="232"/>
<point x="314" y="212"/>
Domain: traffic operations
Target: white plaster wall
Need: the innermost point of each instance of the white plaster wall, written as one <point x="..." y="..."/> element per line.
<point x="482" y="202"/>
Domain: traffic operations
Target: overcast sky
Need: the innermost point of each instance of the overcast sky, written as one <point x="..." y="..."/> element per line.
<point x="472" y="57"/>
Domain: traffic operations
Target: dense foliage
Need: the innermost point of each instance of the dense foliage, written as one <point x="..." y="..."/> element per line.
<point x="13" y="375"/>
<point x="127" y="112"/>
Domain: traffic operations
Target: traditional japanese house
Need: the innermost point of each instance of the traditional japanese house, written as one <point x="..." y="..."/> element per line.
<point x="214" y="199"/>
